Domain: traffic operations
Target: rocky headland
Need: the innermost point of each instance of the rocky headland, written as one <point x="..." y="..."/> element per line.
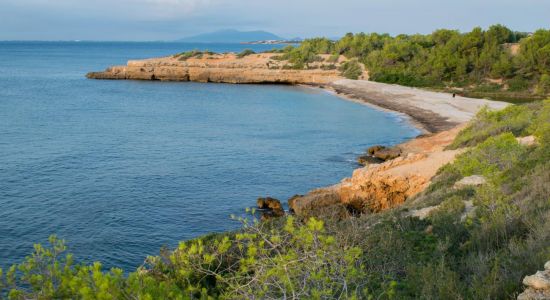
<point x="225" y="68"/>
<point x="391" y="175"/>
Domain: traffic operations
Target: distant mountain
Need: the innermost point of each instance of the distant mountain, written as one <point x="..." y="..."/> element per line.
<point x="231" y="36"/>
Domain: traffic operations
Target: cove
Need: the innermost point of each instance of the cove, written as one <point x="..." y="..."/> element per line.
<point x="121" y="168"/>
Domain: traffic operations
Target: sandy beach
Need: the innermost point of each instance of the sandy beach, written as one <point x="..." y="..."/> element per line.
<point x="431" y="111"/>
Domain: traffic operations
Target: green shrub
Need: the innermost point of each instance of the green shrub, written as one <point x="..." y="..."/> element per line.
<point x="260" y="261"/>
<point x="194" y="53"/>
<point x="279" y="57"/>
<point x="518" y="84"/>
<point x="245" y="52"/>
<point x="351" y="69"/>
<point x="329" y="67"/>
<point x="492" y="156"/>
<point x="487" y="87"/>
<point x="543" y="87"/>
<point x="188" y="54"/>
<point x="392" y="77"/>
<point x="514" y="118"/>
<point x="333" y="58"/>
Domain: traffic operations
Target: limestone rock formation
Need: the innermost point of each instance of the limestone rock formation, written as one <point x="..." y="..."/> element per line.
<point x="291" y="202"/>
<point x="378" y="154"/>
<point x="228" y="68"/>
<point x="422" y="213"/>
<point x="315" y="202"/>
<point x="527" y="140"/>
<point x="474" y="180"/>
<point x="387" y="153"/>
<point x="538" y="285"/>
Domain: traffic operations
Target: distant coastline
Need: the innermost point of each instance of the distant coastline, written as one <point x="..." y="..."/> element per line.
<point x="273" y="42"/>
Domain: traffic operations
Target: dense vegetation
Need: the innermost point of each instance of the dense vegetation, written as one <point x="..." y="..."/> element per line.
<point x="451" y="254"/>
<point x="477" y="63"/>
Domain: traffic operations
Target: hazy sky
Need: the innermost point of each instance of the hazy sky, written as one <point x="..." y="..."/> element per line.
<point x="172" y="19"/>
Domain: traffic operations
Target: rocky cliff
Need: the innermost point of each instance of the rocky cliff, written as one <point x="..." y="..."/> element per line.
<point x="382" y="186"/>
<point x="228" y="68"/>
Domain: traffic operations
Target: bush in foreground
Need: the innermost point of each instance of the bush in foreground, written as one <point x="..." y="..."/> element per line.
<point x="260" y="261"/>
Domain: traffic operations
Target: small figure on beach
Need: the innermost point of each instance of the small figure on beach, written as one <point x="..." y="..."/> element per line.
<point x="454" y="95"/>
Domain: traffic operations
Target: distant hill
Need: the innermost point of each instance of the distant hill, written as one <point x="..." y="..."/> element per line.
<point x="231" y="36"/>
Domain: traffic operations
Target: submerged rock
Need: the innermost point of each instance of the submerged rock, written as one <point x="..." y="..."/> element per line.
<point x="378" y="154"/>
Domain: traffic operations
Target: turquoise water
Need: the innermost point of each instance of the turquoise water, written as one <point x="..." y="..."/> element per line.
<point x="121" y="168"/>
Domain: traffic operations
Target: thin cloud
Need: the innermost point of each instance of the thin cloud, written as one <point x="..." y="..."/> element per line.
<point x="173" y="19"/>
<point x="122" y="9"/>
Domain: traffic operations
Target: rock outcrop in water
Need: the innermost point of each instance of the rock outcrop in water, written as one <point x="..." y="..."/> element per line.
<point x="227" y="68"/>
<point x="271" y="207"/>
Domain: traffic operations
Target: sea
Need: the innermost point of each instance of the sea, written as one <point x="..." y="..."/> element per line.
<point x="121" y="169"/>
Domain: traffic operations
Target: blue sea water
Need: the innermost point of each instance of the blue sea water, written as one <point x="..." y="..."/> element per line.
<point x="121" y="168"/>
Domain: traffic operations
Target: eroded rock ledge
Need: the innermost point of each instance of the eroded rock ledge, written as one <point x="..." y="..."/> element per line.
<point x="226" y="68"/>
<point x="382" y="186"/>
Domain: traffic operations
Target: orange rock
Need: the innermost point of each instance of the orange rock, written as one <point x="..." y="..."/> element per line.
<point x="256" y="68"/>
<point x="382" y="186"/>
<point x="272" y="206"/>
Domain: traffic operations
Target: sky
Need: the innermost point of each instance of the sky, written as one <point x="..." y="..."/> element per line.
<point x="146" y="20"/>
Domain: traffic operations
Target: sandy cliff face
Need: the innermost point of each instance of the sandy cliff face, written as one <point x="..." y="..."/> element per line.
<point x="382" y="186"/>
<point x="228" y="68"/>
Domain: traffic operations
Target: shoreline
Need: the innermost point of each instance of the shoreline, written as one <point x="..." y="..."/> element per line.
<point x="429" y="111"/>
<point x="401" y="115"/>
<point x="385" y="184"/>
<point x="432" y="112"/>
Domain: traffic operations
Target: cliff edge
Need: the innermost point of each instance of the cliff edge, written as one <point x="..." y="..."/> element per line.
<point x="378" y="187"/>
<point x="226" y="68"/>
